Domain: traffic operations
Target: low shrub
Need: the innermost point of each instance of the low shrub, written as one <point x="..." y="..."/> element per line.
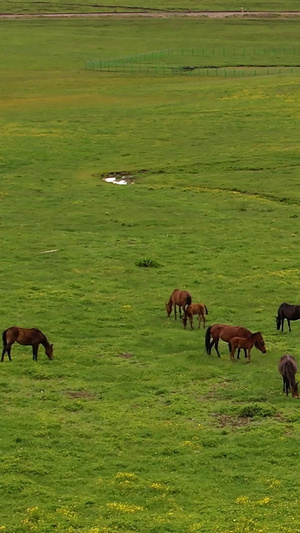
<point x="257" y="410"/>
<point x="147" y="263"/>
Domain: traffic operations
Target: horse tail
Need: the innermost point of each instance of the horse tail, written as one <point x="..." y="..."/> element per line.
<point x="4" y="337"/>
<point x="206" y="310"/>
<point x="207" y="339"/>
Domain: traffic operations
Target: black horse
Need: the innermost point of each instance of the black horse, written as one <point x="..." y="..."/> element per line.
<point x="290" y="312"/>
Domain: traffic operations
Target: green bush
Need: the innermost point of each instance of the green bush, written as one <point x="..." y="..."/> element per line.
<point x="257" y="410"/>
<point x="147" y="263"/>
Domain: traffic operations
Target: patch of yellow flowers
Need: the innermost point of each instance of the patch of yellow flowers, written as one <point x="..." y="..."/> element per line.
<point x="123" y="507"/>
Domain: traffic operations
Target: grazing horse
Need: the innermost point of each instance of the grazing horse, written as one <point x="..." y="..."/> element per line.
<point x="225" y="333"/>
<point x="287" y="368"/>
<point x="247" y="343"/>
<point x="290" y="312"/>
<point x="180" y="298"/>
<point x="33" y="337"/>
<point x="195" y="309"/>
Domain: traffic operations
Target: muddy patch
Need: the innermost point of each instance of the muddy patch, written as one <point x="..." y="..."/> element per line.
<point x="83" y="394"/>
<point x="232" y="421"/>
<point x="125" y="355"/>
<point x="217" y="387"/>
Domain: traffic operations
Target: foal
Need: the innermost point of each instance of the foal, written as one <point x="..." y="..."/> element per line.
<point x="287" y="368"/>
<point x="247" y="343"/>
<point x="26" y="337"/>
<point x="195" y="309"/>
<point x="180" y="298"/>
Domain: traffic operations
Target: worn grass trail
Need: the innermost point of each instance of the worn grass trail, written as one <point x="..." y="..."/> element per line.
<point x="132" y="427"/>
<point x="83" y="6"/>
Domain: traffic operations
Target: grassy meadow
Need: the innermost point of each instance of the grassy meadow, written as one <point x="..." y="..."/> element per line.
<point x="133" y="427"/>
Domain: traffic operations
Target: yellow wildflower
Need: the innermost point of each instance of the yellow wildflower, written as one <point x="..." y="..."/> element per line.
<point x="243" y="500"/>
<point x="264" y="501"/>
<point x="124" y="507"/>
<point x="125" y="475"/>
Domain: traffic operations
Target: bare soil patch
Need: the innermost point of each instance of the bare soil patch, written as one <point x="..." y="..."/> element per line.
<point x="232" y="421"/>
<point x="80" y="394"/>
<point x="158" y="14"/>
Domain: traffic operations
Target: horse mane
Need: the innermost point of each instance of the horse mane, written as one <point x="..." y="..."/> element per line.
<point x="44" y="340"/>
<point x="170" y="299"/>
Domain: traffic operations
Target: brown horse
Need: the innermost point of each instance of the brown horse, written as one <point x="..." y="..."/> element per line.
<point x="195" y="309"/>
<point x="290" y="312"/>
<point x="180" y="298"/>
<point x="225" y="333"/>
<point x="288" y="368"/>
<point x="26" y="337"/>
<point x="247" y="343"/>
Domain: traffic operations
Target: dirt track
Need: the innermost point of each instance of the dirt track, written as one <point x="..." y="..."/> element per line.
<point x="159" y="14"/>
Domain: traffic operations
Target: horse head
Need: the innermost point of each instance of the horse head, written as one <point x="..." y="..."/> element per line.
<point x="260" y="343"/>
<point x="49" y="351"/>
<point x="168" y="308"/>
<point x="278" y="322"/>
<point x="294" y="390"/>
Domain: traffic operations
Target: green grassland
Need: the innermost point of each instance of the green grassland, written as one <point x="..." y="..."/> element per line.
<point x="132" y="426"/>
<point x="83" y="6"/>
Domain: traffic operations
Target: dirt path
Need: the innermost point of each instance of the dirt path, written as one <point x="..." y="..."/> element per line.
<point x="159" y="14"/>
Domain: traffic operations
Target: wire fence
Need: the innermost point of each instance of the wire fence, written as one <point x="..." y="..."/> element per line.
<point x="235" y="62"/>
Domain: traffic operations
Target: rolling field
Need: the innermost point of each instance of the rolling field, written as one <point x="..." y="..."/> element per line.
<point x="133" y="427"/>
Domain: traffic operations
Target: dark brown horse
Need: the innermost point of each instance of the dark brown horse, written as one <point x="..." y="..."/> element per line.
<point x="27" y="337"/>
<point x="290" y="312"/>
<point x="288" y="368"/>
<point x="180" y="298"/>
<point x="247" y="343"/>
<point x="225" y="333"/>
<point x="195" y="309"/>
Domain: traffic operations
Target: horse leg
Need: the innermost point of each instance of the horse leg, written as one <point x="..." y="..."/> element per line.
<point x="5" y="350"/>
<point x="289" y="324"/>
<point x="191" y="321"/>
<point x="216" y="347"/>
<point x="245" y="352"/>
<point x="287" y="386"/>
<point x="199" y="321"/>
<point x="232" y="352"/>
<point x="175" y="312"/>
<point x="179" y="311"/>
<point x="248" y="356"/>
<point x="204" y="321"/>
<point x="210" y="346"/>
<point x="282" y="324"/>
<point x="283" y="384"/>
<point x="35" y="348"/>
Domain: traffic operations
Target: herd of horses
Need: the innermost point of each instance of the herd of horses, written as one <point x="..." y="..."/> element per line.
<point x="238" y="338"/>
